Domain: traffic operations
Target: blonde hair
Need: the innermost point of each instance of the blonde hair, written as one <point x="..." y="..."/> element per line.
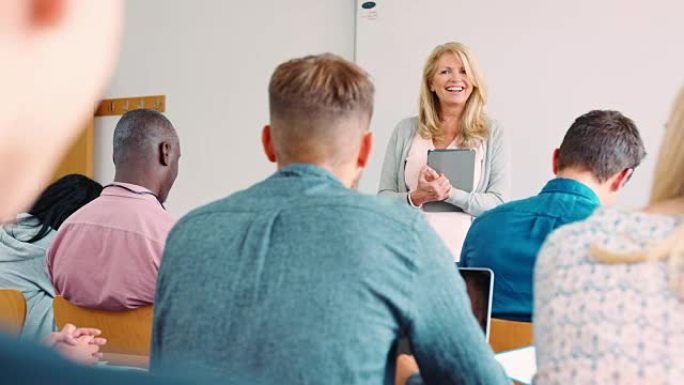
<point x="668" y="184"/>
<point x="308" y="97"/>
<point x="473" y="127"/>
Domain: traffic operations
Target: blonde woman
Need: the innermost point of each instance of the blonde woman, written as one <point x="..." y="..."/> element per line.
<point x="450" y="115"/>
<point x="609" y="294"/>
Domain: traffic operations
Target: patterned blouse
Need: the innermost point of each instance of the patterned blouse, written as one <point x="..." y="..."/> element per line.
<point x="607" y="324"/>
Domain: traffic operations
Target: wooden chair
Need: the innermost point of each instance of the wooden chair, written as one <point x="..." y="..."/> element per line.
<point x="127" y="332"/>
<point x="12" y="311"/>
<point x="507" y="335"/>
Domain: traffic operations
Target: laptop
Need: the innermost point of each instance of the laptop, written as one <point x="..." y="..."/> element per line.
<point x="480" y="285"/>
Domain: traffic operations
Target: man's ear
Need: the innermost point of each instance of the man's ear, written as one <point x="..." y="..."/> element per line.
<point x="47" y="13"/>
<point x="556" y="161"/>
<point x="620" y="179"/>
<point x="267" y="143"/>
<point x="365" y="150"/>
<point x="164" y="153"/>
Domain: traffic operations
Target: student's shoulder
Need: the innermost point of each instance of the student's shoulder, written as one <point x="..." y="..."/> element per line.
<point x="569" y="245"/>
<point x="380" y="209"/>
<point x="574" y="234"/>
<point x="365" y="207"/>
<point x="506" y="210"/>
<point x="217" y="208"/>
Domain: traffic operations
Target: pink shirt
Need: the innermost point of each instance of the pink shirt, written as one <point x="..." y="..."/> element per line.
<point x="451" y="227"/>
<point x="107" y="254"/>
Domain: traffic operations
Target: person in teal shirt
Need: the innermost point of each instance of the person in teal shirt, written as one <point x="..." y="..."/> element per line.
<point x="300" y="279"/>
<point x="596" y="158"/>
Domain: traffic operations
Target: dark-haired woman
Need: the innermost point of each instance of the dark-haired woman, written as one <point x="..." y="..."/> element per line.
<point x="23" y="245"/>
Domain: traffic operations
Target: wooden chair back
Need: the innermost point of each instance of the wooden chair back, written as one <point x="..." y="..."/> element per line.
<point x="507" y="335"/>
<point x="127" y="332"/>
<point x="12" y="311"/>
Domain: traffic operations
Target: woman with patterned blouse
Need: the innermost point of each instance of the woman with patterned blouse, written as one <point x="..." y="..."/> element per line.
<point x="609" y="291"/>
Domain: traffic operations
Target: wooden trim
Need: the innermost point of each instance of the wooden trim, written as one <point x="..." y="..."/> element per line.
<point x="119" y="106"/>
<point x="90" y="144"/>
<point x="79" y="158"/>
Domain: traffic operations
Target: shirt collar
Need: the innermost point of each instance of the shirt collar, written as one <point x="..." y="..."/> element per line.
<point x="308" y="170"/>
<point x="129" y="190"/>
<point x="571" y="186"/>
<point x="132" y="186"/>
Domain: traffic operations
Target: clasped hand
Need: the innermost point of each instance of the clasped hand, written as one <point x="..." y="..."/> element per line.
<point x="77" y="344"/>
<point x="431" y="187"/>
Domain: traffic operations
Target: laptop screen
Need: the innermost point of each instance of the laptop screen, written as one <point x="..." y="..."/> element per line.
<point x="479" y="283"/>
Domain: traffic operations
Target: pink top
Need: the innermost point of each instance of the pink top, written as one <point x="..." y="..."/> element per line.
<point x="107" y="254"/>
<point x="451" y="227"/>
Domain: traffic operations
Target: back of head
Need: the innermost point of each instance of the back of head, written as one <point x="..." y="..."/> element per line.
<point x="61" y="199"/>
<point x="137" y="136"/>
<point x="602" y="142"/>
<point x="668" y="181"/>
<point x="320" y="107"/>
<point x="146" y="151"/>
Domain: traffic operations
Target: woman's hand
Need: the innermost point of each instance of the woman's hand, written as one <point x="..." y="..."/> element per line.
<point x="78" y="344"/>
<point x="85" y="350"/>
<point x="431" y="187"/>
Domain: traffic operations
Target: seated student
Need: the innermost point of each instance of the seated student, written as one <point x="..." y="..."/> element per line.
<point x="609" y="291"/>
<point x="107" y="254"/>
<point x="23" y="245"/>
<point x="300" y="279"/>
<point x="598" y="155"/>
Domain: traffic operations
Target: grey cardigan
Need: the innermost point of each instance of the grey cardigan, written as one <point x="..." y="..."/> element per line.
<point x="494" y="186"/>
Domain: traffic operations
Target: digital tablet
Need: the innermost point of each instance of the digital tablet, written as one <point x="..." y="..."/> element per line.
<point x="458" y="165"/>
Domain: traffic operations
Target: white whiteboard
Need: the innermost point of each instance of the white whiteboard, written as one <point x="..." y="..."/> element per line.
<point x="545" y="62"/>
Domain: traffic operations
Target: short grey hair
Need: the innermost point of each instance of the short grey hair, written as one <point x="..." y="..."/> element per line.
<point x="138" y="132"/>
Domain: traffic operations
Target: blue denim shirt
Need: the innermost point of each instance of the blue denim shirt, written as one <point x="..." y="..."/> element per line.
<point x="299" y="280"/>
<point x="508" y="238"/>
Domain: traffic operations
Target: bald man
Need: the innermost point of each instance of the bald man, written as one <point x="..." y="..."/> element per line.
<point x="107" y="254"/>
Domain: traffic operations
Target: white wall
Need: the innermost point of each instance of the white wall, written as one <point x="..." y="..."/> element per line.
<point x="546" y="63"/>
<point x="213" y="59"/>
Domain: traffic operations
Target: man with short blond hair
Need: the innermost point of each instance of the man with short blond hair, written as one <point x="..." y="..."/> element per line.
<point x="300" y="279"/>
